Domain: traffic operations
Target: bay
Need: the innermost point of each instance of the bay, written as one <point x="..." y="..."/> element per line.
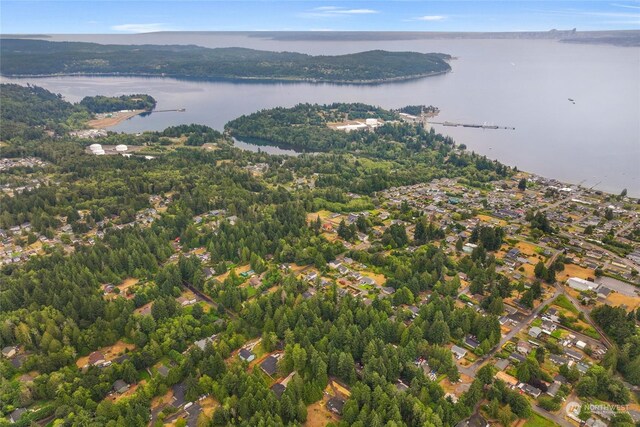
<point x="518" y="83"/>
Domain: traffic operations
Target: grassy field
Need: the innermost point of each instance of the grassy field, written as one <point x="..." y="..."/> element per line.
<point x="573" y="270"/>
<point x="563" y="302"/>
<point x="617" y="299"/>
<point x="539" y="421"/>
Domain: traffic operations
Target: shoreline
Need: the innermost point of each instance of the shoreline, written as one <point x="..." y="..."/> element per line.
<point x="238" y="79"/>
<point x="116" y="118"/>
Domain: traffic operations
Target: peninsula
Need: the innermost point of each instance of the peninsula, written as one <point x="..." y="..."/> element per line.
<point x="38" y="58"/>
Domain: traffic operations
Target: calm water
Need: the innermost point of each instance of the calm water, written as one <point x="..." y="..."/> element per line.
<point x="520" y="83"/>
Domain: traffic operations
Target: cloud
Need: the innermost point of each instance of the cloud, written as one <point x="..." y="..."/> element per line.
<point x="627" y="6"/>
<point x="335" y="11"/>
<point x="141" y="28"/>
<point x="430" y="18"/>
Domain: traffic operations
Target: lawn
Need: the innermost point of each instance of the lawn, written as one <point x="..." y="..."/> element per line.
<point x="563" y="301"/>
<point x="539" y="421"/>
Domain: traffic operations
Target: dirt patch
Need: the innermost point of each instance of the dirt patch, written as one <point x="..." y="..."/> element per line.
<point x="339" y="388"/>
<point x="126" y="284"/>
<point x="145" y="309"/>
<point x="573" y="270"/>
<point x="491" y="220"/>
<point x="241" y="269"/>
<point x="616" y="299"/>
<point x="209" y="405"/>
<point x="319" y="416"/>
<point x="112" y="119"/>
<point x="459" y="387"/>
<point x="110" y="352"/>
<point x="162" y="400"/>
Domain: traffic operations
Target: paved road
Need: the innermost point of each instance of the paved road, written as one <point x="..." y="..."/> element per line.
<point x="471" y="369"/>
<point x="627" y="227"/>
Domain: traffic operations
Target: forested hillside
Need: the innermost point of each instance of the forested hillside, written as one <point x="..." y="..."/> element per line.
<point x="35" y="57"/>
<point x="29" y="111"/>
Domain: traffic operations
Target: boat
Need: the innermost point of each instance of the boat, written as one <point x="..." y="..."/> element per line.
<point x="571" y="99"/>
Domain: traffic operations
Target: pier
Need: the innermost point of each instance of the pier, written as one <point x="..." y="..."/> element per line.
<point x="467" y="125"/>
<point x="179" y="110"/>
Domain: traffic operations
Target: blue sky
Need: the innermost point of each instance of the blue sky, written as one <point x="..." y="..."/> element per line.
<point x="121" y="16"/>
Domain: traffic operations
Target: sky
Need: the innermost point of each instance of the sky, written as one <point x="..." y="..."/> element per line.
<point x="122" y="16"/>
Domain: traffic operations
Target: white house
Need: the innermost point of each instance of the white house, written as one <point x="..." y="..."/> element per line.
<point x="581" y="285"/>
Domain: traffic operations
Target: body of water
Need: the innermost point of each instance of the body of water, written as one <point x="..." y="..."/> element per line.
<point x="524" y="84"/>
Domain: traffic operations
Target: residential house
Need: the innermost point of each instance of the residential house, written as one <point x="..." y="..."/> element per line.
<point x="523" y="347"/>
<point x="575" y="355"/>
<point x="595" y="422"/>
<point x="335" y="405"/>
<point x="401" y="387"/>
<point x="581" y="285"/>
<point x="270" y="365"/>
<point x="553" y="389"/>
<point x="278" y="389"/>
<point x="185" y="301"/>
<point x="558" y="360"/>
<point x="471" y="342"/>
<point x="202" y="344"/>
<point x="501" y="364"/>
<point x="9" y="351"/>
<point x="531" y="390"/>
<point x="458" y="352"/>
<point x="16" y="414"/>
<point x="535" y="332"/>
<point x="246" y="355"/>
<point x="97" y="358"/>
<point x="120" y="386"/>
<point x="364" y="280"/>
<point x="548" y="327"/>
<point x="508" y="379"/>
<point x="518" y="358"/>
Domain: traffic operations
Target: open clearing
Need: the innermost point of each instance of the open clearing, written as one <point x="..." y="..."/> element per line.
<point x="110" y="352"/>
<point x="573" y="270"/>
<point x="126" y="284"/>
<point x="318" y="415"/>
<point x="617" y="299"/>
<point x="113" y="119"/>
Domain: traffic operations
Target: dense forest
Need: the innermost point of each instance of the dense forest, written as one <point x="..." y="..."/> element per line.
<point x="22" y="57"/>
<point x="29" y="111"/>
<point x="106" y="104"/>
<point x="212" y="212"/>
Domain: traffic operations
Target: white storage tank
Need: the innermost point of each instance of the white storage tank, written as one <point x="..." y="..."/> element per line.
<point x="121" y="147"/>
<point x="95" y="147"/>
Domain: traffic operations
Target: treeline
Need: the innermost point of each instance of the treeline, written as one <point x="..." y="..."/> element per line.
<point x="621" y="327"/>
<point x="21" y="57"/>
<point x="108" y="104"/>
<point x="196" y="134"/>
<point x="30" y="112"/>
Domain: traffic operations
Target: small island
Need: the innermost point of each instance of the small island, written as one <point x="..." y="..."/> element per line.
<point x="39" y="58"/>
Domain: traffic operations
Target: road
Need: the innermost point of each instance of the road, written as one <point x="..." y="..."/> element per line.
<point x="471" y="369"/>
<point x="587" y="315"/>
<point x="627" y="227"/>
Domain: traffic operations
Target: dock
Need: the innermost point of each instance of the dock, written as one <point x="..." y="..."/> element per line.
<point x="467" y="125"/>
<point x="179" y="110"/>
